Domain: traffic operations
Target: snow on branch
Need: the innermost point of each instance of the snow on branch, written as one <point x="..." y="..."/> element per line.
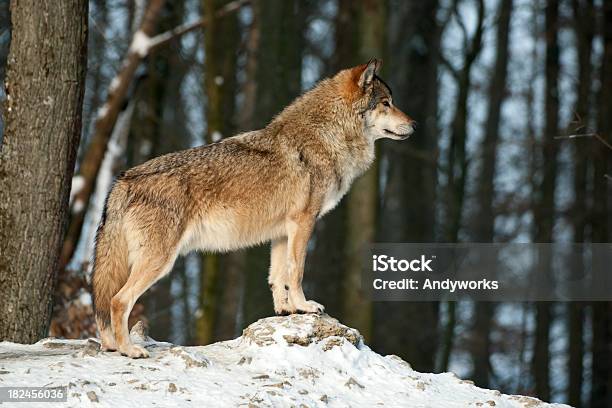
<point x="141" y="43"/>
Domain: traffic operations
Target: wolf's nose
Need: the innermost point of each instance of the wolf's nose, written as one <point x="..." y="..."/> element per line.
<point x="405" y="129"/>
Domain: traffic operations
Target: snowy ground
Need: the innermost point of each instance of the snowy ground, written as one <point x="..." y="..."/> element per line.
<point x="295" y="361"/>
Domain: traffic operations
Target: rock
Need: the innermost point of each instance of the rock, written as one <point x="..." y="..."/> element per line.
<point x="352" y="382"/>
<point x="191" y="359"/>
<point x="301" y="330"/>
<point x="139" y="333"/>
<point x="92" y="396"/>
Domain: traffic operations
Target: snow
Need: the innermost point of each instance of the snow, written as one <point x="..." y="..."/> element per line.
<point x="102" y="111"/>
<point x="78" y="182"/>
<point x="299" y="360"/>
<point x="113" y="85"/>
<point x="78" y="206"/>
<point x="216" y="136"/>
<point x="141" y="43"/>
<point x="85" y="298"/>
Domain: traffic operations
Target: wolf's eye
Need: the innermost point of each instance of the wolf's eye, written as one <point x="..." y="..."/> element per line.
<point x="386" y="103"/>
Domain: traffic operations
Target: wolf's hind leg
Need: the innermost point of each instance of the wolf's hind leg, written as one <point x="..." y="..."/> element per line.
<point x="146" y="270"/>
<point x="277" y="279"/>
<point x="108" y="340"/>
<point x="299" y="229"/>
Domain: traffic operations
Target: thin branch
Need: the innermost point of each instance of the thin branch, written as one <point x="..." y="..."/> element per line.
<point x="460" y="23"/>
<point x="448" y="65"/>
<point x="177" y="32"/>
<point x="595" y="135"/>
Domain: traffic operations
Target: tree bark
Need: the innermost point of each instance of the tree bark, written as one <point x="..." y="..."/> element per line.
<point x="405" y="216"/>
<point x="362" y="200"/>
<point x="601" y="388"/>
<point x="457" y="162"/>
<point x="278" y="74"/>
<point x="326" y="262"/>
<point x="584" y="23"/>
<point x="45" y="78"/>
<point x="222" y="276"/>
<point x="485" y="222"/>
<point x="158" y="127"/>
<point x="545" y="205"/>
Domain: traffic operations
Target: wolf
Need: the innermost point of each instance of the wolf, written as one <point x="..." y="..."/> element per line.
<point x="268" y="185"/>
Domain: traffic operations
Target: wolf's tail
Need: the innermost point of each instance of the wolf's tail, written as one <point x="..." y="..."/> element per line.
<point x="110" y="266"/>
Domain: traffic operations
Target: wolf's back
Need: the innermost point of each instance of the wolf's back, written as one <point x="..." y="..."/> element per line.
<point x="110" y="268"/>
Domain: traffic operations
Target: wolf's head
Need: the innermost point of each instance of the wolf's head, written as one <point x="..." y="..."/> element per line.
<point x="371" y="96"/>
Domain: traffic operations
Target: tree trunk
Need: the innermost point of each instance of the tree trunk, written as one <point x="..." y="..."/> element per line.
<point x="45" y="84"/>
<point x="282" y="30"/>
<point x="222" y="280"/>
<point x="485" y="222"/>
<point x="362" y="200"/>
<point x="405" y="216"/>
<point x="326" y="262"/>
<point x="545" y="206"/>
<point x="584" y="23"/>
<point x="158" y="127"/>
<point x="601" y="388"/>
<point x="457" y="162"/>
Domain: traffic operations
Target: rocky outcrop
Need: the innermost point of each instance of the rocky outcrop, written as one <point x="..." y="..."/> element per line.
<point x="298" y="360"/>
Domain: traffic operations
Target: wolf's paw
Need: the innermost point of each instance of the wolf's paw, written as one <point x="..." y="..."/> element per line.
<point x="134" y="351"/>
<point x="108" y="344"/>
<point x="310" y="306"/>
<point x="282" y="312"/>
<point x="284" y="309"/>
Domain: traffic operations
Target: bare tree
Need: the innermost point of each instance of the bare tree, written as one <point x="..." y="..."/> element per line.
<point x="485" y="222"/>
<point x="544" y="210"/>
<point x="601" y="387"/>
<point x="584" y="27"/>
<point x="221" y="39"/>
<point x="457" y="160"/>
<point x="362" y="199"/>
<point x="45" y="84"/>
<point x="412" y="166"/>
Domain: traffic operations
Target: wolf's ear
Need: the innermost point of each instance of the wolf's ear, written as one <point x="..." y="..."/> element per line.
<point x="369" y="70"/>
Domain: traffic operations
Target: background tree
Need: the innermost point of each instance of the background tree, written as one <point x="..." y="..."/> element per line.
<point x="584" y="27"/>
<point x="221" y="41"/>
<point x="601" y="391"/>
<point x="544" y="211"/>
<point x="405" y="216"/>
<point x="45" y="85"/>
<point x="485" y="222"/>
<point x="158" y="127"/>
<point x="278" y="74"/>
<point x="362" y="199"/>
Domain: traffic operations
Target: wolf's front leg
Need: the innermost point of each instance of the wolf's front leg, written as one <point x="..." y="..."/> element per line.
<point x="278" y="278"/>
<point x="299" y="229"/>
